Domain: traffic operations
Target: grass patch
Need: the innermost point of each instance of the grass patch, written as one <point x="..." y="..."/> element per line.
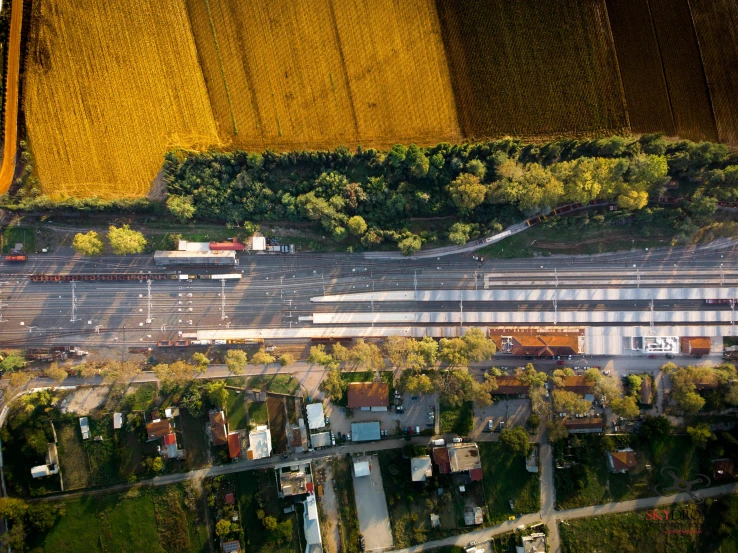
<point x="710" y="526"/>
<point x="142" y="399"/>
<point x="236" y="411"/>
<point x="457" y="420"/>
<point x="149" y="520"/>
<point x="584" y="482"/>
<point x="579" y="235"/>
<point x="257" y="491"/>
<point x="411" y="504"/>
<point x="19" y="235"/>
<point x="348" y="519"/>
<point x="258" y="412"/>
<point x="274" y="383"/>
<point x="194" y="439"/>
<point x="72" y="456"/>
<point x="506" y="478"/>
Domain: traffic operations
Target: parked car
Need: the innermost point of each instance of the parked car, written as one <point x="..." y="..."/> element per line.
<point x="458" y="440"/>
<point x="490" y="425"/>
<point x="670" y="356"/>
<point x="561" y="362"/>
<point x="399" y="409"/>
<point x="652" y="357"/>
<point x="415" y="398"/>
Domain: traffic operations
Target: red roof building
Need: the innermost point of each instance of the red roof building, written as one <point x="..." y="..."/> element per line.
<point x="218" y="430"/>
<point x="235" y="245"/>
<point x="230" y="499"/>
<point x="158" y="429"/>
<point x="577" y="384"/>
<point x="696" y="345"/>
<point x="723" y="469"/>
<point x="440" y="458"/>
<point x="366" y="395"/>
<point x="170" y="439"/>
<point x="510" y="386"/>
<point x="622" y="460"/>
<point x="520" y="342"/>
<point x="234" y="445"/>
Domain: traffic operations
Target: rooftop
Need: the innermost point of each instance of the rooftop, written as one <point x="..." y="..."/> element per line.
<point x="233" y="546"/>
<point x="260" y="441"/>
<point x="510" y="385"/>
<point x="218" y="430"/>
<point x="322" y="439"/>
<point x="293" y="482"/>
<point x="365" y="431"/>
<point x="473" y="516"/>
<point x="622" y="460"/>
<point x="577" y="384"/>
<point x="158" y="429"/>
<point x="723" y="468"/>
<point x="696" y="345"/>
<point x="535" y="543"/>
<point x="463" y="457"/>
<point x="316" y="416"/>
<point x="361" y="468"/>
<point x="368" y="394"/>
<point x="234" y="445"/>
<point x="440" y="458"/>
<point x="574" y="425"/>
<point x="421" y="468"/>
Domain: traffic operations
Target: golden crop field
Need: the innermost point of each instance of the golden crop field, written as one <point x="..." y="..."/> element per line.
<point x="110" y="86"/>
<point x="319" y="73"/>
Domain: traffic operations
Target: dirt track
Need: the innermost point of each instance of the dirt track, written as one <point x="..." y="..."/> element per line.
<point x="11" y="98"/>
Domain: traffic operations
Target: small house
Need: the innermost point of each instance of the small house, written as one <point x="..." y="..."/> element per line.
<point x="593" y="425"/>
<point x="723" y="469"/>
<point x="218" y="431"/>
<point x="233" y="546"/>
<point x="365" y="431"/>
<point x="535" y="543"/>
<point x="85" y="427"/>
<point x="510" y="386"/>
<point x="622" y="460"/>
<point x="473" y="516"/>
<point x="234" y="445"/>
<point x="157" y="429"/>
<point x="316" y="416"/>
<point x="117" y="421"/>
<point x="361" y="468"/>
<point x="260" y="443"/>
<point x="421" y="468"/>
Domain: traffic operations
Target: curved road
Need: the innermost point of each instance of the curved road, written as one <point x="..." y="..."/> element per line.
<point x="11" y="97"/>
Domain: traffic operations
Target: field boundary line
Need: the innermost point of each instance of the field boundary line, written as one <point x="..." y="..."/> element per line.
<point x="11" y="97"/>
<point x="222" y="68"/>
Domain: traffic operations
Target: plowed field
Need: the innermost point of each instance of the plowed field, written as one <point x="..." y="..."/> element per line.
<point x="523" y="69"/>
<point x="640" y="66"/>
<point x="716" y="22"/>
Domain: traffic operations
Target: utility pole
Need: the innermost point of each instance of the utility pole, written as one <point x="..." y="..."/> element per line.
<point x="74" y="302"/>
<point x="223" y="316"/>
<point x="148" y="302"/>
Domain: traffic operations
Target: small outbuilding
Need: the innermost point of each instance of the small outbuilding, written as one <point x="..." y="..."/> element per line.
<point x="316" y="416"/>
<point x="361" y="468"/>
<point x="365" y="431"/>
<point x="421" y="468"/>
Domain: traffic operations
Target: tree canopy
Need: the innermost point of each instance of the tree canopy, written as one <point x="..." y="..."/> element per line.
<point x="88" y="244"/>
<point x="125" y="241"/>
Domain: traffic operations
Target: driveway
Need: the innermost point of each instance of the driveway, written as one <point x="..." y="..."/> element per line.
<point x="513" y="412"/>
<point x="416" y="414"/>
<point x="371" y="506"/>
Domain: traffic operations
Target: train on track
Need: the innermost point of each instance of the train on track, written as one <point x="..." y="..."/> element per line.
<point x="16" y="257"/>
<point x="187" y="343"/>
<point x="130" y="276"/>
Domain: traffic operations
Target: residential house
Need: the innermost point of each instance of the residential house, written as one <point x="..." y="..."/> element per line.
<point x="313" y="541"/>
<point x="51" y="466"/>
<point x="295" y="480"/>
<point x="260" y="443"/>
<point x="621" y="460"/>
<point x="646" y="391"/>
<point x="579" y="385"/>
<point x="365" y="431"/>
<point x="234" y="445"/>
<point x="316" y="416"/>
<point x="323" y="439"/>
<point x="473" y="516"/>
<point x="157" y="429"/>
<point x="535" y="543"/>
<point x="458" y="458"/>
<point x="170" y="446"/>
<point x="421" y="468"/>
<point x="510" y="386"/>
<point x="592" y="425"/>
<point x="368" y="396"/>
<point x="117" y="421"/>
<point x="218" y="431"/>
<point x="723" y="469"/>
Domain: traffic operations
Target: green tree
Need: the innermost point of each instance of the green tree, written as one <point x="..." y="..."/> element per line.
<point x="634" y="383"/>
<point x="87" y="244"/>
<point x="566" y="401"/>
<point x="201" y="360"/>
<point x="55" y="372"/>
<point x="43" y="516"/>
<point x="416" y="161"/>
<point x="700" y="434"/>
<point x="364" y="355"/>
<point x="531" y="377"/>
<point x="418" y="384"/>
<point x="592" y="375"/>
<point x="319" y="356"/>
<point x="153" y="464"/>
<point x="236" y="361"/>
<point x="181" y="207"/>
<point x="284" y="531"/>
<point x="19" y="379"/>
<point x="286" y="359"/>
<point x="223" y="527"/>
<point x="333" y="385"/>
<point x="12" y="508"/>
<point x="410" y="244"/>
<point x="270" y="523"/>
<point x="125" y="241"/>
<point x="12" y="360"/>
<point x="459" y="233"/>
<point x="217" y="394"/>
<point x="556" y="430"/>
<point x="356" y="225"/>
<point x="467" y="192"/>
<point x="625" y="407"/>
<point x="472" y="346"/>
<point x="261" y="357"/>
<point x="177" y="373"/>
<point x="655" y="427"/>
<point x="192" y="400"/>
<point x="516" y="440"/>
<point x="534" y="421"/>
<point x="476" y="168"/>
